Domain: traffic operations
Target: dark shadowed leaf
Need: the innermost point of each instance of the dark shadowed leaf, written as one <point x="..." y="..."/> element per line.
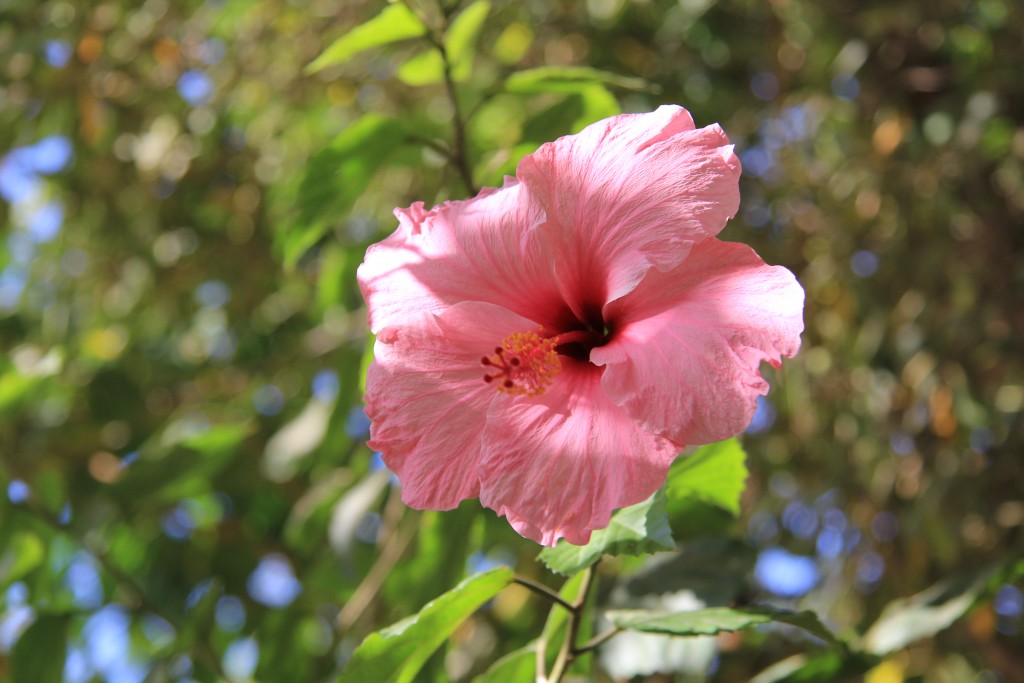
<point x="636" y="530"/>
<point x="336" y="176"/>
<point x="38" y="656"/>
<point x="714" y="569"/>
<point x="395" y="654"/>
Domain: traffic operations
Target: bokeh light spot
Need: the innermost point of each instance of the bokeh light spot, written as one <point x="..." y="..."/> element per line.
<point x="273" y="582"/>
<point x="326" y="386"/>
<point x="785" y="574"/>
<point x="268" y="400"/>
<point x="57" y="53"/>
<point x="17" y="491"/>
<point x="240" y="659"/>
<point x="195" y="87"/>
<point x="763" y="418"/>
<point x="864" y="263"/>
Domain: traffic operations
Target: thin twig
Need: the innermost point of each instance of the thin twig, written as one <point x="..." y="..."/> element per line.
<point x="541" y="659"/>
<point x="459" y="150"/>
<point x="567" y="652"/>
<point x="431" y="144"/>
<point x="541" y="589"/>
<point x="598" y="640"/>
<point x="458" y="154"/>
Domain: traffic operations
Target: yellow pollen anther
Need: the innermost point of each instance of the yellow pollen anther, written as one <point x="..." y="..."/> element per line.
<point x="524" y="364"/>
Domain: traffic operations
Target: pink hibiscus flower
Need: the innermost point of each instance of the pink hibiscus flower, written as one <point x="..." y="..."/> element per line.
<point x="551" y="345"/>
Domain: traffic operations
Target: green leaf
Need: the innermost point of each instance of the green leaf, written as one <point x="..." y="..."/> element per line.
<point x="366" y="360"/>
<point x="38" y="656"/>
<point x="598" y="103"/>
<point x="395" y="654"/>
<point x="15" y="388"/>
<point x="715" y="474"/>
<point x="336" y="176"/>
<point x="923" y="615"/>
<point x="693" y="519"/>
<point x="395" y="22"/>
<point x="462" y="37"/>
<point x="337" y="272"/>
<point x="712" y="620"/>
<point x="518" y="665"/>
<point x="22" y="553"/>
<point x="570" y="79"/>
<point x="636" y="530"/>
<point x="218" y="438"/>
<point x="427" y="68"/>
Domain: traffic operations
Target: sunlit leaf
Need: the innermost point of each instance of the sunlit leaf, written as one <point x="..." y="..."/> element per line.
<point x="218" y="438"/>
<point x="570" y="79"/>
<point x="15" y="388"/>
<point x="712" y="620"/>
<point x="513" y="43"/>
<point x="38" y="656"/>
<point x="423" y="69"/>
<point x="428" y="67"/>
<point x="366" y="360"/>
<point x="22" y="553"/>
<point x="396" y="653"/>
<point x="598" y="103"/>
<point x="395" y="22"/>
<point x="635" y="530"/>
<point x="462" y="38"/>
<point x="715" y="474"/>
<point x="333" y="279"/>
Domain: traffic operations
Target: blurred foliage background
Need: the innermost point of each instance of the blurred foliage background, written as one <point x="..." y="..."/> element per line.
<point x="186" y="492"/>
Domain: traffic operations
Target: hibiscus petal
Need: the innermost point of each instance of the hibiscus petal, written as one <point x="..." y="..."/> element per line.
<point x="427" y="400"/>
<point x="482" y="249"/>
<point x="630" y="193"/>
<point x="558" y="465"/>
<point x="687" y="345"/>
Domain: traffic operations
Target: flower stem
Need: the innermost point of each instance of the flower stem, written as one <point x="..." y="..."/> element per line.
<point x="568" y="652"/>
<point x="460" y="155"/>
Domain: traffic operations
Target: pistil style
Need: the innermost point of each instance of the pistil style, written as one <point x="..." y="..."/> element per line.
<point x="524" y="365"/>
